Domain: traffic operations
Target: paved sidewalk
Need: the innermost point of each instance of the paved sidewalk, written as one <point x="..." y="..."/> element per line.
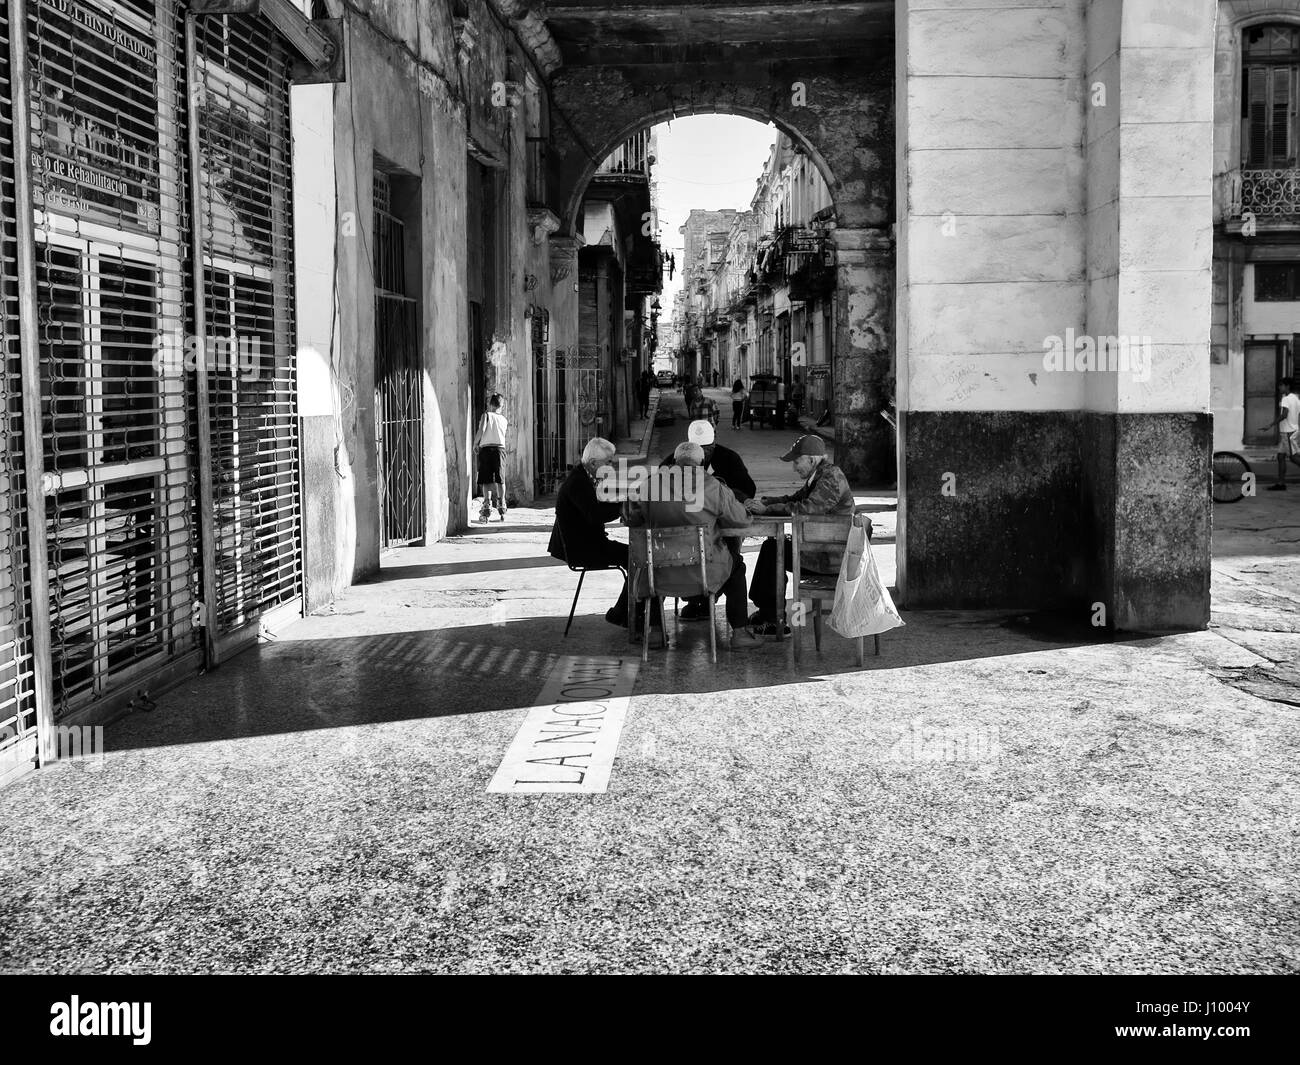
<point x="988" y="795"/>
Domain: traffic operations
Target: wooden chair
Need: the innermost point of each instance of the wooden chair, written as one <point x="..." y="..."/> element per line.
<point x="581" y="571"/>
<point x="813" y="531"/>
<point x="681" y="547"/>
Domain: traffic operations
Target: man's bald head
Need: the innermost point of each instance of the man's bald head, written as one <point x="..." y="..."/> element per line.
<point x="689" y="454"/>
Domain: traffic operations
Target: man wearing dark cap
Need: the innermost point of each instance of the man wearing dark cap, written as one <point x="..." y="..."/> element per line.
<point x="825" y="491"/>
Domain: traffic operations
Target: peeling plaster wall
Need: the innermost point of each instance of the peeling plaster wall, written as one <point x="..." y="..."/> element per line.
<point x="411" y="97"/>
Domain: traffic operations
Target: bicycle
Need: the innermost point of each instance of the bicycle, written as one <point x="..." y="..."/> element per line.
<point x="1229" y="479"/>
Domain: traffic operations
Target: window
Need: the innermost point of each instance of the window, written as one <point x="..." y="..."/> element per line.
<point x="1277" y="282"/>
<point x="1270" y="71"/>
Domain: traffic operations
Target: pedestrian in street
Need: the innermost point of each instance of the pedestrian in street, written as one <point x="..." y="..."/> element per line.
<point x="738" y="397"/>
<point x="716" y="508"/>
<point x="490" y="446"/>
<point x="643" y="386"/>
<point x="700" y="407"/>
<point x="825" y="491"/>
<point x="796" y="397"/>
<point x="699" y="381"/>
<point x="715" y="378"/>
<point x="1288" y="426"/>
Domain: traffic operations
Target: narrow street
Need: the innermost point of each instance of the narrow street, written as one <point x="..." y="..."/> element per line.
<point x="986" y="795"/>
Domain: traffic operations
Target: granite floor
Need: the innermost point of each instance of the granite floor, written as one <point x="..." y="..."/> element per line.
<point x="991" y="794"/>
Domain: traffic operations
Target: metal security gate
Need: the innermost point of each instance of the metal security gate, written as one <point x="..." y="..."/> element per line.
<point x="149" y="496"/>
<point x="399" y="397"/>
<point x="107" y="171"/>
<point x="18" y="729"/>
<point x="550" y="407"/>
<point x="246" y="425"/>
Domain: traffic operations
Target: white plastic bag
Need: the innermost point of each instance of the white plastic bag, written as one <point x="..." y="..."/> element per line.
<point x="863" y="606"/>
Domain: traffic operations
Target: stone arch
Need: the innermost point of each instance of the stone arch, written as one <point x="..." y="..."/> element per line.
<point x="842" y="114"/>
<point x="571" y="204"/>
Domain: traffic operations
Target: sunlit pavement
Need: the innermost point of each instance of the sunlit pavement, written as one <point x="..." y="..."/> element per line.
<point x="986" y="796"/>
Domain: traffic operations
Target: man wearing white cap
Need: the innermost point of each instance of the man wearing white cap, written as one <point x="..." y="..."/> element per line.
<point x="825" y="491"/>
<point x="729" y="468"/>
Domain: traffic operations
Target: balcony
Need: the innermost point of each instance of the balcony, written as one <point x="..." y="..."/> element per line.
<point x="1271" y="197"/>
<point x="645" y="274"/>
<point x="630" y="161"/>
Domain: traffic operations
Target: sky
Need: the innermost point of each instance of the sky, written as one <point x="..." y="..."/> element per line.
<point x="707" y="162"/>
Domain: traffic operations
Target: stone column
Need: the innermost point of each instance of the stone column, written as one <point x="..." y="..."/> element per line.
<point x="862" y="363"/>
<point x="1146" y="432"/>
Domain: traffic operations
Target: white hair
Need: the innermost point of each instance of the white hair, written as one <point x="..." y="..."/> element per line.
<point x="689" y="454"/>
<point x="598" y="449"/>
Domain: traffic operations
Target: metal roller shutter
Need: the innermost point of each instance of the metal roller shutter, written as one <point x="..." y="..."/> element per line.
<point x="241" y="98"/>
<point x="17" y="675"/>
<point x="108" y="192"/>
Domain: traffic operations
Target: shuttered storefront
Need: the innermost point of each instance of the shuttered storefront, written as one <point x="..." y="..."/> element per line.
<point x="17" y="676"/>
<point x="164" y="334"/>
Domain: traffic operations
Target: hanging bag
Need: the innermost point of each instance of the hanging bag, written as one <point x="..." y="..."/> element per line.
<point x="863" y="606"/>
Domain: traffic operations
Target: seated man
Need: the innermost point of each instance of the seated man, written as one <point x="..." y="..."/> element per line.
<point x="579" y="537"/>
<point x="825" y="491"/>
<point x="709" y="503"/>
<point x="729" y="468"/>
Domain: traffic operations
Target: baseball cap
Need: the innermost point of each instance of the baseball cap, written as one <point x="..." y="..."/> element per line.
<point x="805" y="445"/>
<point x="700" y="432"/>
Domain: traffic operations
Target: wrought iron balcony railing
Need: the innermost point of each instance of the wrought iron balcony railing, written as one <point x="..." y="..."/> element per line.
<point x="1266" y="194"/>
<point x="631" y="159"/>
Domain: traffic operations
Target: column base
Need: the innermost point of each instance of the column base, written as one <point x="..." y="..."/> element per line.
<point x="1058" y="510"/>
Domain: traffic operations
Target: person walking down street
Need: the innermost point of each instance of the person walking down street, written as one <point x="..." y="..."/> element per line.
<point x="1288" y="426"/>
<point x="701" y="408"/>
<point x="796" y="397"/>
<point x="825" y="491"/>
<point x="738" y="397"/>
<point x="699" y="380"/>
<point x="716" y="508"/>
<point x="490" y="444"/>
<point x="643" y="386"/>
<point x="715" y="378"/>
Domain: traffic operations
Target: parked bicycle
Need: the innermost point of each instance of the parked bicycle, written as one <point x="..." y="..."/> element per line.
<point x="1231" y="475"/>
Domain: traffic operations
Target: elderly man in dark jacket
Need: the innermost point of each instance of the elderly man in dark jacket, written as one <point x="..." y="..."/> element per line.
<point x="825" y="491"/>
<point x="578" y="536"/>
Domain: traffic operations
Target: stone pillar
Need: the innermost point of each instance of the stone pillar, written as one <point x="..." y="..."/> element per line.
<point x="862" y="364"/>
<point x="1147" y="434"/>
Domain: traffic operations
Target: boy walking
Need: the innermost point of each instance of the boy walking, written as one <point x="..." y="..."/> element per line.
<point x="490" y="440"/>
<point x="1288" y="424"/>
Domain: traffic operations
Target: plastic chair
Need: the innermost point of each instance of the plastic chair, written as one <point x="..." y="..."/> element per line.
<point x="582" y="575"/>
<point x="822" y="530"/>
<point x="682" y="547"/>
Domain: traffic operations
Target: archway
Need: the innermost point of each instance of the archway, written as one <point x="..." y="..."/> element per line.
<point x="841" y="114"/>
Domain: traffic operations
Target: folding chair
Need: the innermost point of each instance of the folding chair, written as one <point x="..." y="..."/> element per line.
<point x="822" y="530"/>
<point x="581" y="571"/>
<point x="681" y="547"/>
